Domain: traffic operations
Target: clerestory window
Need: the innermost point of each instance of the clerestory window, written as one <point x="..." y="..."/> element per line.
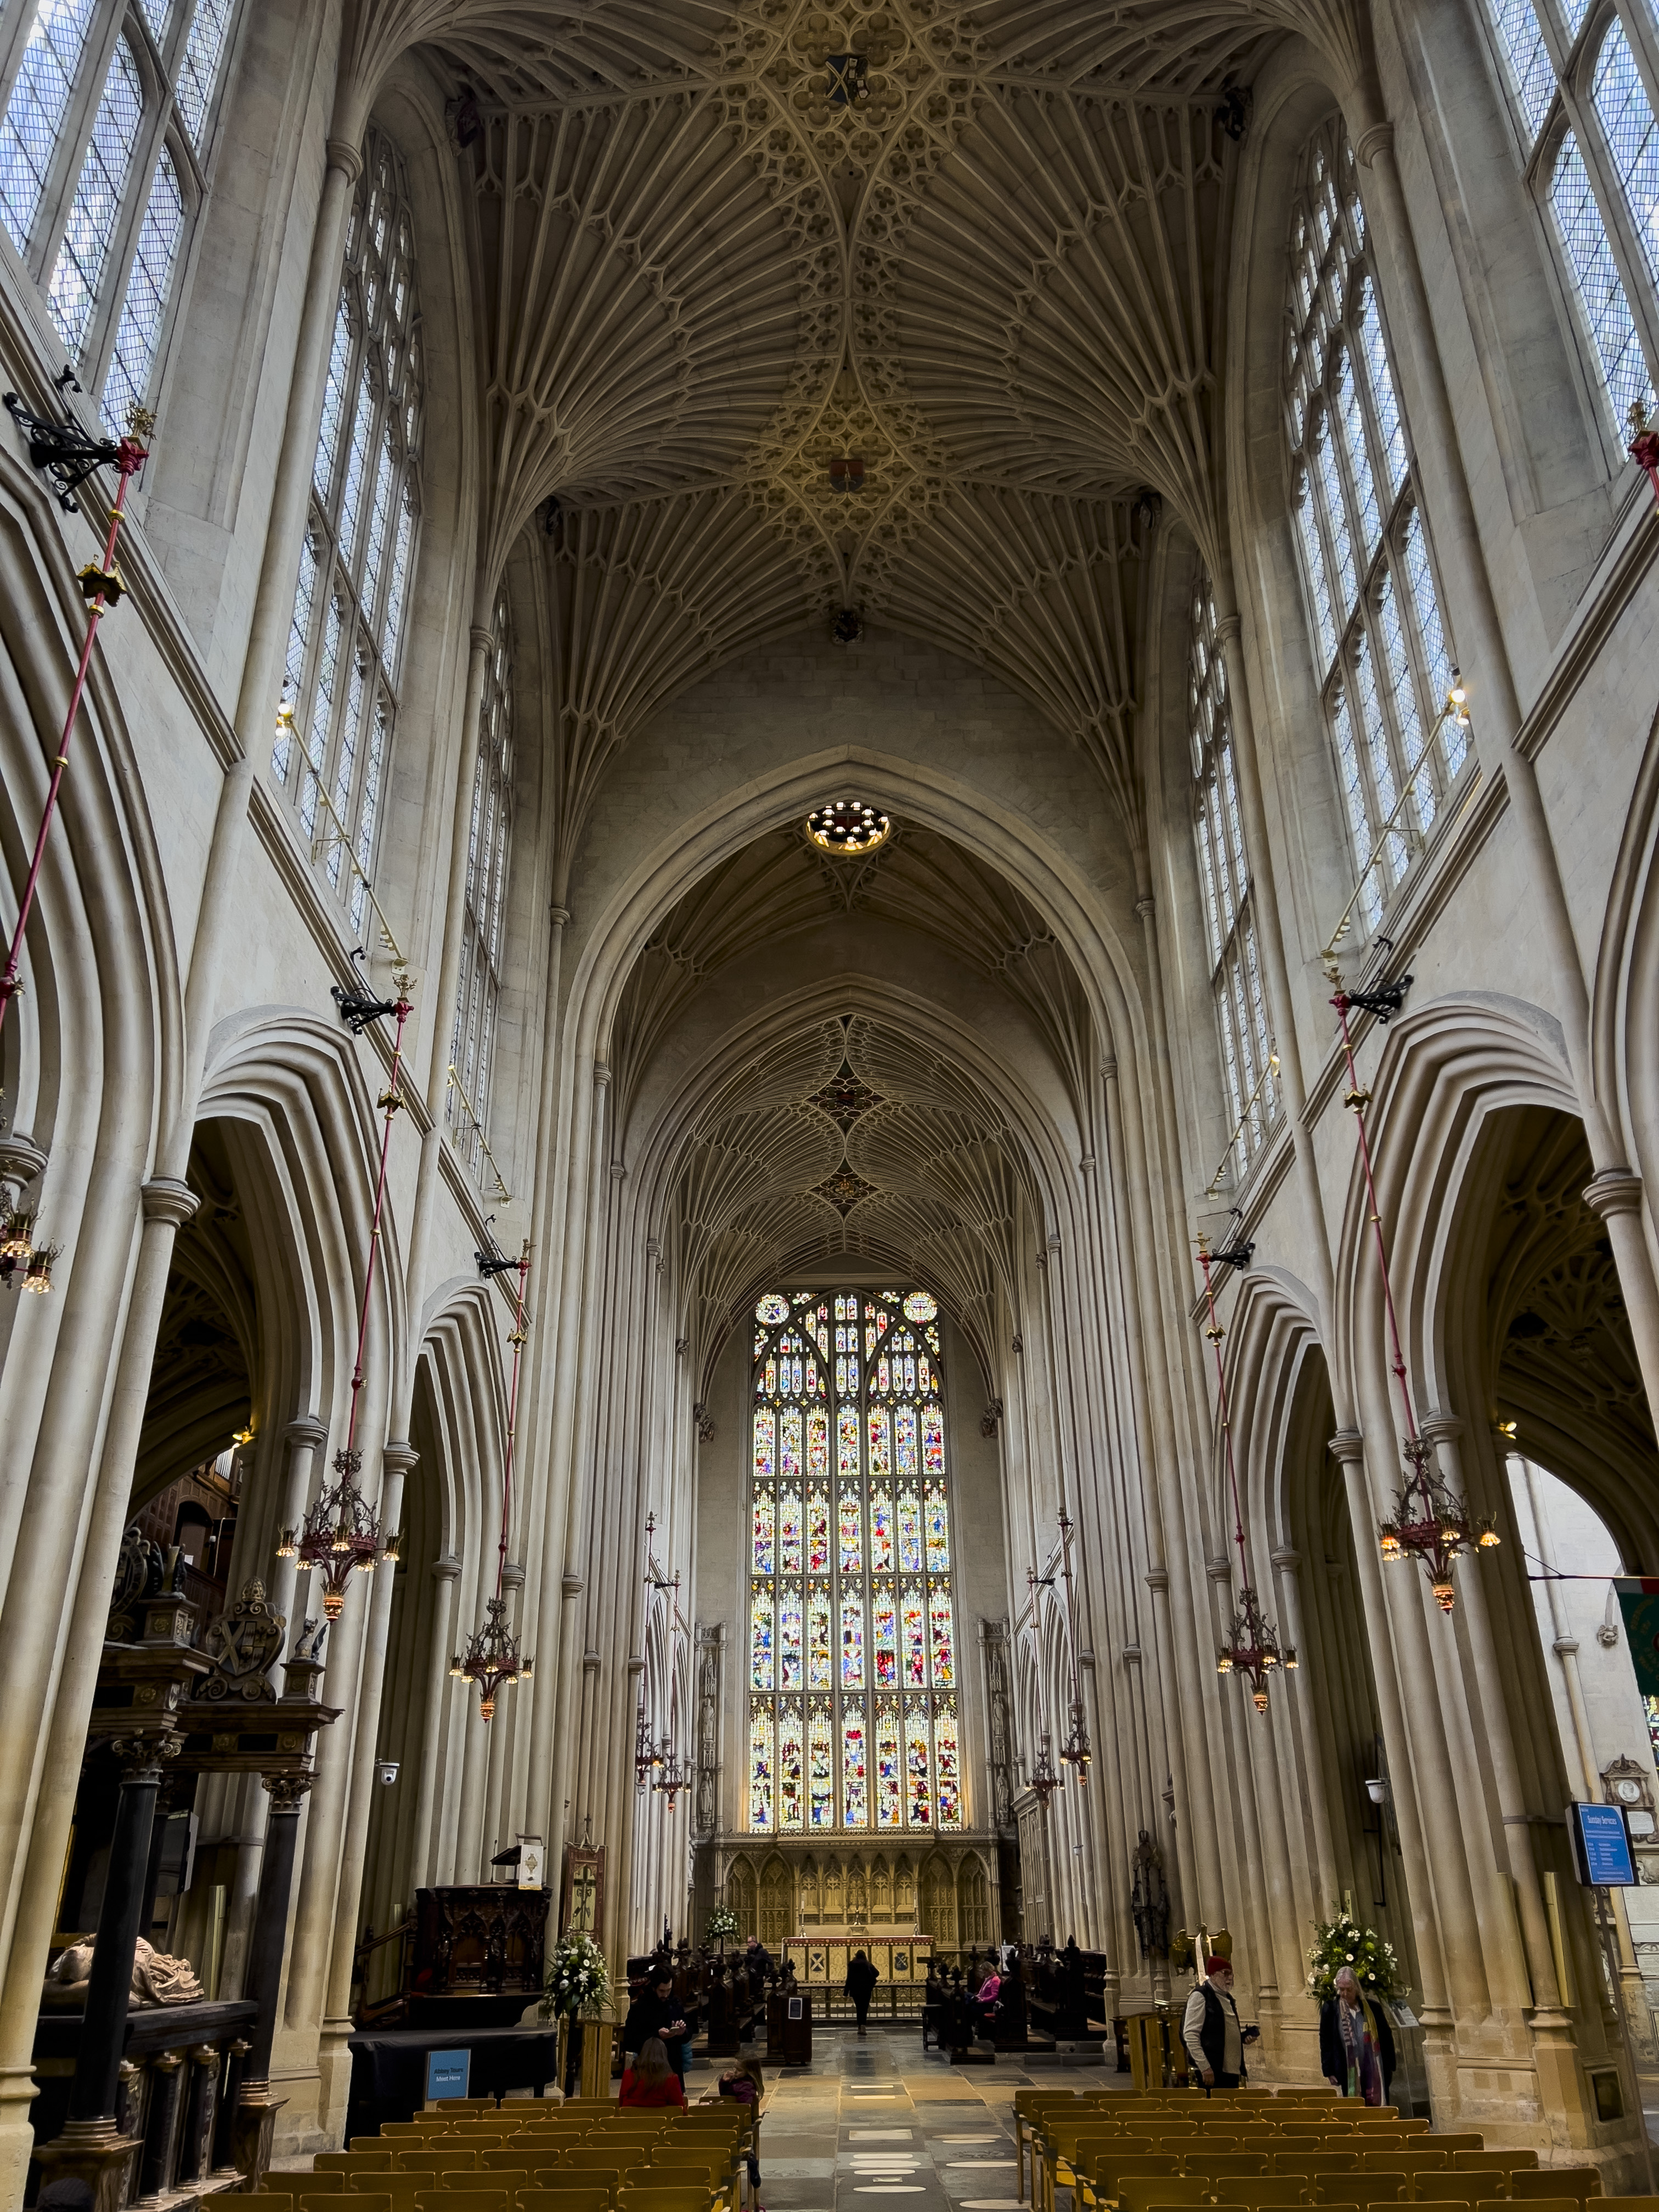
<point x="105" y="139"/>
<point x="1579" y="82"/>
<point x="472" y="1047"/>
<point x="854" y="1723"/>
<point x="1224" y="876"/>
<point x="1378" y="639"/>
<point x="340" y="687"/>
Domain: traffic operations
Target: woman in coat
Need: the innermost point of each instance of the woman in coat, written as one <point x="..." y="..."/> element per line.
<point x="1355" y="2044"/>
<point x="861" y="1979"/>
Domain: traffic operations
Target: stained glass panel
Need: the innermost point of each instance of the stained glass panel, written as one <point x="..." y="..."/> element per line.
<point x="881" y="1532"/>
<point x="938" y="1530"/>
<point x="881" y="1462"/>
<point x="789" y="1444"/>
<point x="884" y="1638"/>
<point x="904" y="1443"/>
<point x="760" y="1635"/>
<point x="789" y="1637"/>
<point x="947" y="1764"/>
<point x="918" y="1787"/>
<point x="855" y="1780"/>
<point x="847" y="1440"/>
<point x="909" y="1532"/>
<point x="791" y="1757"/>
<point x="938" y="1618"/>
<point x="765" y="1443"/>
<point x="760" y="1767"/>
<point x="789" y="1531"/>
<point x="763" y="1532"/>
<point x="890" y="1775"/>
<point x="932" y="1441"/>
<point x="820" y="1657"/>
<point x="821" y="1754"/>
<point x="852" y="1640"/>
<point x="818" y="1445"/>
<point x="913" y="1620"/>
<point x="851" y="1540"/>
<point x="818" y="1530"/>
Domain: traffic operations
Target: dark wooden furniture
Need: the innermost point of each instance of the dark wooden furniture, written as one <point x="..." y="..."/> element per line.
<point x="479" y="1955"/>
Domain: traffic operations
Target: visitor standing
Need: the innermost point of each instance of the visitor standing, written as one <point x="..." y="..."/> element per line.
<point x="861" y="1979"/>
<point x="1355" y="2044"/>
<point x="1211" y="2029"/>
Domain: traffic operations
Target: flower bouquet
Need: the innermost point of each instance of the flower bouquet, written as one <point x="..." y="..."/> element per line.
<point x="578" y="1980"/>
<point x="722" y="1923"/>
<point x="1342" y="1941"/>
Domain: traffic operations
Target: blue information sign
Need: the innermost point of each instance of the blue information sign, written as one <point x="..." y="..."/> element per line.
<point x="1601" y="1854"/>
<point x="447" y="2073"/>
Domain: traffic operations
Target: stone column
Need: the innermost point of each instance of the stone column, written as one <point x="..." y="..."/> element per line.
<point x="156" y="2167"/>
<point x="92" y="2147"/>
<point x="1615" y="1195"/>
<point x="256" y="2112"/>
<point x="445" y="1572"/>
<point x="193" y="2150"/>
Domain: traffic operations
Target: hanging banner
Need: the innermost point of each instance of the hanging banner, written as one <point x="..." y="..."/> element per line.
<point x="1639" y="1600"/>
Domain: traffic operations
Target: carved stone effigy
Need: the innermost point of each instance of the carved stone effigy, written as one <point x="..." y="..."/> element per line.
<point x="157" y="1978"/>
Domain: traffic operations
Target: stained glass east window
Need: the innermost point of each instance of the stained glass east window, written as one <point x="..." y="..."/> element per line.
<point x="853" y="1665"/>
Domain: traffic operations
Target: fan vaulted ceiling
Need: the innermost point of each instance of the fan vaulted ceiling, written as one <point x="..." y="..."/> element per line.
<point x="793" y="308"/>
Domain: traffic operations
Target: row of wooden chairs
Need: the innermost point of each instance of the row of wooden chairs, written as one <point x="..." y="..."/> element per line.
<point x="1057" y="2139"/>
<point x="460" y="2193"/>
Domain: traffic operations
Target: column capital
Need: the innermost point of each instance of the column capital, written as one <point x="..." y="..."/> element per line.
<point x="21" y="1161"/>
<point x="1145" y="907"/>
<point x="166" y="1199"/>
<point x="1564" y="1646"/>
<point x="513" y="1576"/>
<point x="306" y="1431"/>
<point x="1228" y="629"/>
<point x="601" y="1075"/>
<point x="1219" y="1571"/>
<point x="482" y="639"/>
<point x="446" y="1568"/>
<point x="398" y="1458"/>
<point x="1287" y="1558"/>
<point x="1379" y="139"/>
<point x="1615" y="1190"/>
<point x="1441" y="1427"/>
<point x="345" y="157"/>
<point x="571" y="1585"/>
<point x="1157" y="1580"/>
<point x="287" y="1791"/>
<point x="1348" y="1446"/>
<point x="558" y="915"/>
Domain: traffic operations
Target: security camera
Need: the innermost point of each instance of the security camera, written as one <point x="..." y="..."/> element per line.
<point x="388" y="1771"/>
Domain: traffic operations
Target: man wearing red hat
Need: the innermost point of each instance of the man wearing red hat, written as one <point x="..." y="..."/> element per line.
<point x="1211" y="2029"/>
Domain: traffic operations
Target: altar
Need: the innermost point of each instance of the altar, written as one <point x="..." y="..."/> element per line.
<point x="820" y="1960"/>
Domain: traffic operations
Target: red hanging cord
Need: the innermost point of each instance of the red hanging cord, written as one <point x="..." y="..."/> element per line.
<point x="517" y="1341"/>
<point x="389" y="1102"/>
<point x="132" y="458"/>
<point x="1215" y="1335"/>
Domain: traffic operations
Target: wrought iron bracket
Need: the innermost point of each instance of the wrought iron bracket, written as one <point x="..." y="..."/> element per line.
<point x="1237" y="1256"/>
<point x="357" y="1009"/>
<point x="65" y="454"/>
<point x="1384" y="1002"/>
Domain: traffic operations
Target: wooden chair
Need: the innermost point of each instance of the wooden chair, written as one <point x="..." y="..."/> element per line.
<point x="359" y="2201"/>
<point x="1359" y="2188"/>
<point x="1446" y="2188"/>
<point x="564" y="2200"/>
<point x="1113" y="2175"/>
<point x="1576" y="2181"/>
<point x="328" y="2183"/>
<point x="433" y="2158"/>
<point x="464" y="2200"/>
<point x="1234" y="2165"/>
<point x="1455" y="2141"/>
<point x="1263" y="2195"/>
<point x="1404" y="2161"/>
<point x="1494" y="2161"/>
<point x="1556" y="2204"/>
<point x="1146" y="2195"/>
<point x="1309" y="2164"/>
<point x="663" y="2200"/>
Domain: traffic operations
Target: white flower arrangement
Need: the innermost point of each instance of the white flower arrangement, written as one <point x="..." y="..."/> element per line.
<point x="722" y="1923"/>
<point x="1342" y="1941"/>
<point x="578" y="1979"/>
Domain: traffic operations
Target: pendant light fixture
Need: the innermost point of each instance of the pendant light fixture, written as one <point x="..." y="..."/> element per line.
<point x="493" y="1658"/>
<point x="1074" y="1752"/>
<point x="341" y="1534"/>
<point x="1252" y="1647"/>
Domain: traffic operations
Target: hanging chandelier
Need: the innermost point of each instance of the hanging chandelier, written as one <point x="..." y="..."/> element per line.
<point x="674" y="1777"/>
<point x="493" y="1658"/>
<point x="21" y="1259"/>
<point x="1427" y="1522"/>
<point x="646" y="1754"/>
<point x="341" y="1534"/>
<point x="1074" y="1752"/>
<point x="1252" y="1648"/>
<point x="1044" y="1781"/>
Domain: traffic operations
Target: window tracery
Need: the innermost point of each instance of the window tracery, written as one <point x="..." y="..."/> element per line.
<point x="853" y="1673"/>
<point x="105" y="233"/>
<point x="472" y="1047"/>
<point x="1224" y="877"/>
<point x="340" y="700"/>
<point x="1579" y="96"/>
<point x="1374" y="623"/>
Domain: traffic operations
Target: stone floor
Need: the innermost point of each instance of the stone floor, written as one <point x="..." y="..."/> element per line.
<point x="882" y="2118"/>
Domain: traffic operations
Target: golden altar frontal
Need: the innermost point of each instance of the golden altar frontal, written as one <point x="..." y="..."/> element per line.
<point x="820" y="1960"/>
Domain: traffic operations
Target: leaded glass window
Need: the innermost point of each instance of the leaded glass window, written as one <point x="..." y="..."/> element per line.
<point x="339" y="700"/>
<point x="854" y="1670"/>
<point x="1378" y="638"/>
<point x="104" y="143"/>
<point x="1224" y="882"/>
<point x="1577" y="81"/>
<point x="472" y="1047"/>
